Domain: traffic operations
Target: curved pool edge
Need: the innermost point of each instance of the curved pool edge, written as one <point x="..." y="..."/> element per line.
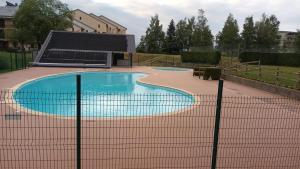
<point x="24" y="109"/>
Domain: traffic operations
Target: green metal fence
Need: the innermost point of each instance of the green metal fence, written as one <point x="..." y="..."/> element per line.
<point x="212" y="132"/>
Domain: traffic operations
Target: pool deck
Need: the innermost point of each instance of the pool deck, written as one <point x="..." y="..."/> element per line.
<point x="176" y="79"/>
<point x="248" y="138"/>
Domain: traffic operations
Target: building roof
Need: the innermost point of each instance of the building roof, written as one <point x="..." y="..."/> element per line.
<point x="82" y="25"/>
<point x="111" y="21"/>
<point x="8" y="12"/>
<point x="102" y="19"/>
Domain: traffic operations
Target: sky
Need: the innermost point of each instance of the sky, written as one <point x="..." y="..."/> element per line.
<point x="135" y="14"/>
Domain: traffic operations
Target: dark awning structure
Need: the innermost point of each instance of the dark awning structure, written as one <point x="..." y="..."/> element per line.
<point x="81" y="49"/>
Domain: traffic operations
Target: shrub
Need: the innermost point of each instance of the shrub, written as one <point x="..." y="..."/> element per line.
<point x="289" y="59"/>
<point x="280" y="59"/>
<point x="214" y="73"/>
<point x="4" y="62"/>
<point x="212" y="57"/>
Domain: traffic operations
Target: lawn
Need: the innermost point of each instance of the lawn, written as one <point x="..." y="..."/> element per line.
<point x="278" y="75"/>
<point x="156" y="59"/>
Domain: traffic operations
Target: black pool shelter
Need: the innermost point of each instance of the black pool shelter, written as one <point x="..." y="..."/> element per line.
<point x="82" y="49"/>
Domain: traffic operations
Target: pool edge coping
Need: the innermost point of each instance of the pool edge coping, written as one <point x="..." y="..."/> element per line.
<point x="140" y="80"/>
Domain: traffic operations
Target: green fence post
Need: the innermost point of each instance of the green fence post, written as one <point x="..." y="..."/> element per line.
<point x="298" y="82"/>
<point x="217" y="125"/>
<point x="11" y="61"/>
<point x="16" y="60"/>
<point x="277" y="75"/>
<point x="78" y="121"/>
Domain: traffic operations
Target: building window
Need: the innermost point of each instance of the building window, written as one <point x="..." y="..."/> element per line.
<point x="82" y="30"/>
<point x="80" y="18"/>
<point x="98" y="25"/>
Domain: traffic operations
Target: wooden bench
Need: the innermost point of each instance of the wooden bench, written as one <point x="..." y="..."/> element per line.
<point x="198" y="71"/>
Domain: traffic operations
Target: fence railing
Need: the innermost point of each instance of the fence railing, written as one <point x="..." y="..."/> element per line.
<point x="109" y="130"/>
<point x="16" y="60"/>
<point x="269" y="74"/>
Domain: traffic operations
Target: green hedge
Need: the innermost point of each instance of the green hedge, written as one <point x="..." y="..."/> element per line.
<point x="214" y="73"/>
<point x="213" y="57"/>
<point x="280" y="59"/>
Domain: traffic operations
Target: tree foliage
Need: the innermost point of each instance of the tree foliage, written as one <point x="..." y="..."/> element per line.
<point x="229" y="37"/>
<point x="171" y="40"/>
<point x="249" y="34"/>
<point x="142" y="45"/>
<point x="298" y="40"/>
<point x="267" y="31"/>
<point x="153" y="41"/>
<point x="202" y="36"/>
<point x="184" y="32"/>
<point x="35" y="19"/>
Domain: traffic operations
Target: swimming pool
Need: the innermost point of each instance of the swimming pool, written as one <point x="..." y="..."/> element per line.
<point x="104" y="95"/>
<point x="171" y="69"/>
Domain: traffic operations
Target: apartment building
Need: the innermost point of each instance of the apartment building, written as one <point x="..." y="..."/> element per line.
<point x="84" y="22"/>
<point x="6" y="25"/>
<point x="287" y="39"/>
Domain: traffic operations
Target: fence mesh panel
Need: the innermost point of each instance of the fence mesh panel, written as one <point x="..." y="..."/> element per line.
<point x="146" y="131"/>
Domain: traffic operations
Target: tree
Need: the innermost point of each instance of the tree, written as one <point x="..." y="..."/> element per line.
<point x="298" y="40"/>
<point x="35" y="19"/>
<point x="202" y="36"/>
<point x="229" y="38"/>
<point x="142" y="45"/>
<point x="181" y="35"/>
<point x="171" y="44"/>
<point x="153" y="41"/>
<point x="248" y="34"/>
<point x="267" y="32"/>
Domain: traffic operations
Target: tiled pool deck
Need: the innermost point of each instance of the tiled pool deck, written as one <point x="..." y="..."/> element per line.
<point x="254" y="134"/>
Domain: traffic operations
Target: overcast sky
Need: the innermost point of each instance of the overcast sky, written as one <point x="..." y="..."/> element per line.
<point x="135" y="14"/>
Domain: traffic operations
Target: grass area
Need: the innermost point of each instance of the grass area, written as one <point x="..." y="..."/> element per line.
<point x="11" y="61"/>
<point x="277" y="75"/>
<point x="140" y="58"/>
<point x="282" y="76"/>
<point x="147" y="59"/>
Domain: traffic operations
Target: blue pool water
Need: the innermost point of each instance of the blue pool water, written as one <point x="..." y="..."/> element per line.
<point x="171" y="69"/>
<point x="104" y="94"/>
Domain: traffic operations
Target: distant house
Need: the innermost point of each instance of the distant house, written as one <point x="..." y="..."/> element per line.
<point x="287" y="39"/>
<point x="6" y="25"/>
<point x="84" y="22"/>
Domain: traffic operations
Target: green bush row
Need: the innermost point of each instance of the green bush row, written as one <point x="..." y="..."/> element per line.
<point x="212" y="57"/>
<point x="280" y="59"/>
<point x="214" y="73"/>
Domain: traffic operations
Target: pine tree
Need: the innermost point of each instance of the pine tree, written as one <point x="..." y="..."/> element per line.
<point x="142" y="45"/>
<point x="202" y="36"/>
<point x="171" y="44"/>
<point x="154" y="37"/>
<point x="248" y="34"/>
<point x="229" y="38"/>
